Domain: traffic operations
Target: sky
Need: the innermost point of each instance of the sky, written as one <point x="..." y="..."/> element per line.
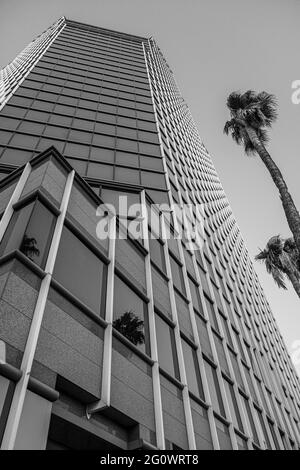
<point x="213" y="47"/>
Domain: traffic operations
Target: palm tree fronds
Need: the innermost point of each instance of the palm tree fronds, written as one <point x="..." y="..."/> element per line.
<point x="130" y="326"/>
<point x="278" y="277"/>
<point x="257" y="110"/>
<point x="281" y="258"/>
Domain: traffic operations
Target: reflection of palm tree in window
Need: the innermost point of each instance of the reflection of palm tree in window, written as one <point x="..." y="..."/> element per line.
<point x="28" y="247"/>
<point x="130" y="326"/>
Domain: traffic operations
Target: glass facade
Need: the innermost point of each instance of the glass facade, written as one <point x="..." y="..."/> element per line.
<point x="149" y="342"/>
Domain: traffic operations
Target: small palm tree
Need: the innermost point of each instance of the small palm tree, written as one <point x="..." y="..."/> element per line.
<point x="130" y="326"/>
<point x="251" y="114"/>
<point x="28" y="247"/>
<point x="282" y="260"/>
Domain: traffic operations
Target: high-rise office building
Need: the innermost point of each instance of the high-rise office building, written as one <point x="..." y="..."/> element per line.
<point x="148" y="337"/>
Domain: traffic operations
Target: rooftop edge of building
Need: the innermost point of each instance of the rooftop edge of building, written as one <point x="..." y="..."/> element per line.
<point x="100" y="29"/>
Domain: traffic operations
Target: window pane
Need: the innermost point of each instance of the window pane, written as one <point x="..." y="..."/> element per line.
<point x="151" y="163"/>
<point x="153" y="180"/>
<point x="15" y="157"/>
<point x="157" y="253"/>
<point x="15" y="231"/>
<point x="122" y="201"/>
<point x="130" y="317"/>
<point x="249" y="418"/>
<point x="195" y="296"/>
<point x="235" y="414"/>
<point x="214" y="389"/>
<point x="55" y="131"/>
<point x="77" y="150"/>
<point x="203" y="336"/>
<point x="125" y="158"/>
<point x="177" y="275"/>
<point x="84" y="275"/>
<point x="102" y="155"/>
<point x="38" y="234"/>
<point x="97" y="170"/>
<point x="80" y="136"/>
<point x="30" y="231"/>
<point x="192" y="370"/>
<point x="211" y="312"/>
<point x="23" y="140"/>
<point x="223" y="435"/>
<point x="166" y="347"/>
<point x="127" y="175"/>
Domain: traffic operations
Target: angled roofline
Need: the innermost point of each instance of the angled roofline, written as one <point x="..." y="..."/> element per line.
<point x="99" y="29"/>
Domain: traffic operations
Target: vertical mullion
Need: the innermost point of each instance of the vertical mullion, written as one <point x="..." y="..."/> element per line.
<point x="181" y="363"/>
<point x="105" y="397"/>
<point x="158" y="411"/>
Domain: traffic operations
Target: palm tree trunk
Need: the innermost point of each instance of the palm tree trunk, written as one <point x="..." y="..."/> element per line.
<point x="295" y="281"/>
<point x="291" y="212"/>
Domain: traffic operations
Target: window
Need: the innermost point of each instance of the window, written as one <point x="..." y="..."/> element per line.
<point x="221" y="353"/>
<point x="149" y="148"/>
<point x="166" y="347"/>
<point x="157" y="252"/>
<point x="31" y="127"/>
<point x="81" y="272"/>
<point x="151" y="163"/>
<point x="249" y="418"/>
<point x="177" y="275"/>
<point x="195" y="296"/>
<point x="209" y="267"/>
<point x="77" y="150"/>
<point x="127" y="175"/>
<point x="15" y="157"/>
<point x="103" y="140"/>
<point x="24" y="140"/>
<point x="102" y="155"/>
<point x="80" y="136"/>
<point x="120" y="200"/>
<point x="211" y="312"/>
<point x="214" y="388"/>
<point x="127" y="159"/>
<point x="129" y="145"/>
<point x="8" y="123"/>
<point x="203" y="277"/>
<point x="275" y="440"/>
<point x="192" y="370"/>
<point x="30" y="231"/>
<point x="55" y="131"/>
<point x="130" y="315"/>
<point x="226" y="330"/>
<point x="234" y="411"/>
<point x="203" y="336"/>
<point x="155" y="180"/>
<point x="104" y="128"/>
<point x="241" y="442"/>
<point x="263" y="429"/>
<point x="223" y="435"/>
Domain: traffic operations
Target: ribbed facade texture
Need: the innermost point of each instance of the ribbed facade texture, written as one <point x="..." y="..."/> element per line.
<point x="88" y="115"/>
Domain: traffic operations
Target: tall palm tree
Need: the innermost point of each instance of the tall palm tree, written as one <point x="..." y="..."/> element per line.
<point x="130" y="326"/>
<point x="251" y="114"/>
<point x="282" y="260"/>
